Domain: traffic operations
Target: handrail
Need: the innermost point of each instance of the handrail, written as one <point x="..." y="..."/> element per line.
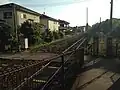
<point x="78" y="48"/>
<point x="43" y="69"/>
<point x="31" y="77"/>
<point x="73" y="45"/>
<point x="66" y="52"/>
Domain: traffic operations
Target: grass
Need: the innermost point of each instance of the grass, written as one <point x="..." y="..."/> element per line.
<point x="56" y="46"/>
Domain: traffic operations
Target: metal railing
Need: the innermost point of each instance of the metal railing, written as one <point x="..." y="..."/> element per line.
<point x="23" y="78"/>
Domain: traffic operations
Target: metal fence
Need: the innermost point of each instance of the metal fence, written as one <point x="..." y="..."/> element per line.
<point x="10" y="80"/>
<point x="61" y="67"/>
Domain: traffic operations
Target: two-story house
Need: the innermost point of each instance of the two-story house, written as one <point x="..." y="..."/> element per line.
<point x="63" y="25"/>
<point x="15" y="15"/>
<point x="49" y="22"/>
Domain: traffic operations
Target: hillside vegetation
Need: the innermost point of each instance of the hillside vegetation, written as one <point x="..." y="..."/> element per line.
<point x="105" y="28"/>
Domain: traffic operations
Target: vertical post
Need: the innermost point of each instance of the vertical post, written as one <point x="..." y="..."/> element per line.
<point x="91" y="49"/>
<point x="15" y="22"/>
<point x="86" y="19"/>
<point x="26" y="44"/>
<point x="116" y="49"/>
<point x="109" y="46"/>
<point x="95" y="46"/>
<point x="62" y="74"/>
<point x="97" y="43"/>
<point x="79" y="56"/>
<point x="111" y="14"/>
<point x="100" y="19"/>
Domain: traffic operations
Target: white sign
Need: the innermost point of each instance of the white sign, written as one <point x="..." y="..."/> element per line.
<point x="26" y="43"/>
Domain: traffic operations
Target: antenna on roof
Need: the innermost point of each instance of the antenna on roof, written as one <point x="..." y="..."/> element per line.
<point x="44" y="11"/>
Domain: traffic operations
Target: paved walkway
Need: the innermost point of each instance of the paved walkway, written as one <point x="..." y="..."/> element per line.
<point x="28" y="56"/>
<point x="99" y="76"/>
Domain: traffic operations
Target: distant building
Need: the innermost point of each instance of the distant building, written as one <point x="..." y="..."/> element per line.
<point x="63" y="25"/>
<point x="79" y="29"/>
<point x="49" y="22"/>
<point x="15" y="15"/>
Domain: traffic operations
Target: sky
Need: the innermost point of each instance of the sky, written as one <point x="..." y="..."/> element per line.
<point x="73" y="11"/>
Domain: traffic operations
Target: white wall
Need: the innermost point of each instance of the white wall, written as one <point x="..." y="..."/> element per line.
<point x="20" y="19"/>
<point x="53" y="25"/>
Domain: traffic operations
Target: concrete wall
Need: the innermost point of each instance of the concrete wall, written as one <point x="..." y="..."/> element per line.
<point x="44" y="22"/>
<point x="9" y="20"/>
<point x="50" y="24"/>
<point x="53" y="25"/>
<point x="21" y="19"/>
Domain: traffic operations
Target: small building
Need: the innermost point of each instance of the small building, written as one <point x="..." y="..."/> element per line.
<point x="49" y="22"/>
<point x="63" y="25"/>
<point x="15" y="15"/>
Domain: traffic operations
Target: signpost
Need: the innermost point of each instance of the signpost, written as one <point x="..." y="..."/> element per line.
<point x="26" y="43"/>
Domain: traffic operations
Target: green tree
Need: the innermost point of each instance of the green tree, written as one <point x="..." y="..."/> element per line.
<point x="5" y="35"/>
<point x="105" y="27"/>
<point x="32" y="31"/>
<point x="37" y="32"/>
<point x="55" y="35"/>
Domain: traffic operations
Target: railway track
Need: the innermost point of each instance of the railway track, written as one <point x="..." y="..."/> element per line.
<point x="12" y="65"/>
<point x="28" y="75"/>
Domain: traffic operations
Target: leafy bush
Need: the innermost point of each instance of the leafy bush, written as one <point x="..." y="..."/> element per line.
<point x="48" y="37"/>
<point x="61" y="34"/>
<point x="32" y="31"/>
<point x="14" y="44"/>
<point x="37" y="32"/>
<point x="68" y="32"/>
<point x="5" y="35"/>
<point x="55" y="35"/>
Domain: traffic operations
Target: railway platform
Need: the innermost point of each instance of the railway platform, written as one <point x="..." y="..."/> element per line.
<point x="100" y="74"/>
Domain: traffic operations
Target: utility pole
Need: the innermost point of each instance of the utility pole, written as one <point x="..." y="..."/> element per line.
<point x="15" y="21"/>
<point x="87" y="19"/>
<point x="111" y="14"/>
<point x="100" y="20"/>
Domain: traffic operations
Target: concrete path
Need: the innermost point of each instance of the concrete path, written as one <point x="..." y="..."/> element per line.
<point x="99" y="76"/>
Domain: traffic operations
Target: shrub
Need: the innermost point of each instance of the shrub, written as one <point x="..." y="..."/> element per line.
<point x="55" y="35"/>
<point x="61" y="34"/>
<point x="48" y="37"/>
<point x="32" y="31"/>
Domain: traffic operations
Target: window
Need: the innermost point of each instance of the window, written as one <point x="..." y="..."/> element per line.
<point x="55" y="22"/>
<point x="30" y="20"/>
<point x="7" y="15"/>
<point x="23" y="16"/>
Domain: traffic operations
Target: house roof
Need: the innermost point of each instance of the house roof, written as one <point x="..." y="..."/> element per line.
<point x="18" y="7"/>
<point x="62" y="21"/>
<point x="47" y="17"/>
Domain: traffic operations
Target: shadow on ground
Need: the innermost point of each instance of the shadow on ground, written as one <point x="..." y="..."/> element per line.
<point x="109" y="64"/>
